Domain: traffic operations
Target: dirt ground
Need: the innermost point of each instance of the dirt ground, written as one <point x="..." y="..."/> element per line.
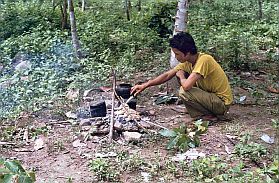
<point x="58" y="161"/>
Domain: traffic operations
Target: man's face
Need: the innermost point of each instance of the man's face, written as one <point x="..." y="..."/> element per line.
<point x="180" y="56"/>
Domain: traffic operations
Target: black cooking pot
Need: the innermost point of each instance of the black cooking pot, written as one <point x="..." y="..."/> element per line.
<point x="123" y="90"/>
<point x="98" y="109"/>
<point x="133" y="103"/>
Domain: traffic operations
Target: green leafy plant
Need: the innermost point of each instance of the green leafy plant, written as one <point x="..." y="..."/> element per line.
<point x="213" y="169"/>
<point x="103" y="170"/>
<point x="272" y="170"/>
<point x="248" y="149"/>
<point x="182" y="138"/>
<point x="207" y="168"/>
<point x="12" y="171"/>
<point x="132" y="163"/>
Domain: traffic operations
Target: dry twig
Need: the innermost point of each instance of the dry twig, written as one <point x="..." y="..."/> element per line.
<point x="112" y="107"/>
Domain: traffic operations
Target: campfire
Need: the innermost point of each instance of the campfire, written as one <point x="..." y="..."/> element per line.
<point x="100" y="111"/>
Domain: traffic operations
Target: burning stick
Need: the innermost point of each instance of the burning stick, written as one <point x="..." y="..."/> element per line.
<point x="112" y="106"/>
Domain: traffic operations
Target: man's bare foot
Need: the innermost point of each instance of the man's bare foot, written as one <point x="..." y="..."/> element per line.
<point x="208" y="117"/>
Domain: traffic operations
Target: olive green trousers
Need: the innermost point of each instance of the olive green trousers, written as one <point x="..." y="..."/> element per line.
<point x="199" y="102"/>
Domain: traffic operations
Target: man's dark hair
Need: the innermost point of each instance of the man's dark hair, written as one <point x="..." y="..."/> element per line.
<point x="184" y="42"/>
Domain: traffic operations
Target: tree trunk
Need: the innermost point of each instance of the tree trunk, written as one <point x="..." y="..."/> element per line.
<point x="139" y="5"/>
<point x="64" y="14"/>
<point x="260" y="9"/>
<point x="83" y="6"/>
<point x="180" y="25"/>
<point x="75" y="40"/>
<point x="127" y="9"/>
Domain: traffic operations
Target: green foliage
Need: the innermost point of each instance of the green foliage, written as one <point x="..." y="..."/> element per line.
<point x="161" y="21"/>
<point x="132" y="163"/>
<point x="103" y="170"/>
<point x="273" y="171"/>
<point x="247" y="149"/>
<point x="12" y="171"/>
<point x="22" y="16"/>
<point x="208" y="168"/>
<point x="275" y="123"/>
<point x="213" y="169"/>
<point x="232" y="35"/>
<point x="43" y="81"/>
<point x="182" y="138"/>
<point x="109" y="40"/>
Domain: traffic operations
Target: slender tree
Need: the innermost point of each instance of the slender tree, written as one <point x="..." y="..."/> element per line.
<point x="260" y="2"/>
<point x="83" y="5"/>
<point x="75" y="39"/>
<point x="64" y="13"/>
<point x="127" y="8"/>
<point x="139" y="5"/>
<point x="180" y="25"/>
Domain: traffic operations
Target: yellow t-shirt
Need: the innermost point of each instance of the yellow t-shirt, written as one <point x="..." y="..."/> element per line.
<point x="214" y="79"/>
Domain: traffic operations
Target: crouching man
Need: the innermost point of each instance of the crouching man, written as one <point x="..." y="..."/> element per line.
<point x="206" y="91"/>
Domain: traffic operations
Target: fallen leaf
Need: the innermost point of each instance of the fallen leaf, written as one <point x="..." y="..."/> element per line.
<point x="231" y="136"/>
<point x="25" y="135"/>
<point x="273" y="90"/>
<point x="105" y="155"/>
<point x="227" y="149"/>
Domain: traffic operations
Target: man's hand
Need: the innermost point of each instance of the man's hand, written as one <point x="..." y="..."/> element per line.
<point x="156" y="81"/>
<point x="181" y="74"/>
<point x="138" y="88"/>
<point x="188" y="83"/>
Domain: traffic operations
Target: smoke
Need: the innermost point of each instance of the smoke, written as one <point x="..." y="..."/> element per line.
<point x="33" y="79"/>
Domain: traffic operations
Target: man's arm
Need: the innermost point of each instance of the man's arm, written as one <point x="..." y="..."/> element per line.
<point x="188" y="83"/>
<point x="157" y="81"/>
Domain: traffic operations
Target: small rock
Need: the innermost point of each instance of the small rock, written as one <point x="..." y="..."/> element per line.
<point x="191" y="154"/>
<point x="85" y="122"/>
<point x="85" y="128"/>
<point x="144" y="124"/>
<point x="105" y="155"/>
<point x="22" y="66"/>
<point x="130" y="127"/>
<point x="39" y="144"/>
<point x="242" y="98"/>
<point x="87" y="155"/>
<point x="71" y="115"/>
<point x="152" y="112"/>
<point x="95" y="139"/>
<point x="118" y="126"/>
<point x="145" y="176"/>
<point x="246" y="74"/>
<point x="77" y="143"/>
<point x="103" y="130"/>
<point x="132" y="136"/>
